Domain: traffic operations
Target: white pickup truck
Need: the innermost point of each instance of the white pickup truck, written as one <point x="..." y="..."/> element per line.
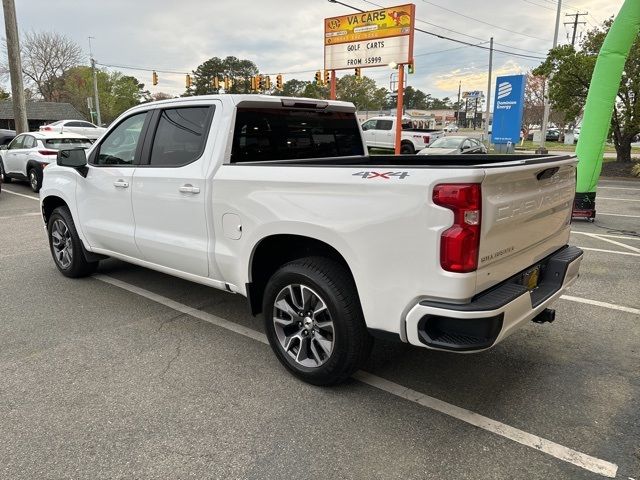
<point x="275" y="199"/>
<point x="380" y="132"/>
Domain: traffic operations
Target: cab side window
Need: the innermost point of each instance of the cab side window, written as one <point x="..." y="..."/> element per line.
<point x="384" y="125"/>
<point x="29" y="142"/>
<point x="369" y="125"/>
<point x="120" y="145"/>
<point x="16" y="143"/>
<point x="180" y="136"/>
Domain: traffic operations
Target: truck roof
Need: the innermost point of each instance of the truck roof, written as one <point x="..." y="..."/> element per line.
<point x="249" y="99"/>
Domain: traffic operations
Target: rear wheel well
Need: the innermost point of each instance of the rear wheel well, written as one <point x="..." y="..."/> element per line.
<point x="274" y="251"/>
<point x="49" y="204"/>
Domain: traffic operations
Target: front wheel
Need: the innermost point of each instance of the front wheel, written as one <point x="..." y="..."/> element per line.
<point x="314" y="322"/>
<point x="66" y="246"/>
<point x="35" y="179"/>
<point x="3" y="174"/>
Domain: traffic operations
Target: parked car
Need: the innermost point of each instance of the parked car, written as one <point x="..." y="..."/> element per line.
<point x="452" y="127"/>
<point x="274" y="198"/>
<point x="380" y="132"/>
<point x="6" y="136"/>
<point x="81" y="127"/>
<point x="29" y="153"/>
<point x="553" y="134"/>
<point x="454" y="145"/>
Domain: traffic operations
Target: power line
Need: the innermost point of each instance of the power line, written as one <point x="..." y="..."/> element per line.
<point x="482" y="21"/>
<point x="142" y="69"/>
<point x="437" y="35"/>
<point x="442" y="28"/>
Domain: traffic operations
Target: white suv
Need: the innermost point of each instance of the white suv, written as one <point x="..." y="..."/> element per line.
<point x="80" y="127"/>
<point x="29" y="153"/>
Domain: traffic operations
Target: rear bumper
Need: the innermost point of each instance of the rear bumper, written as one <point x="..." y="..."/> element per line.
<point x="494" y="314"/>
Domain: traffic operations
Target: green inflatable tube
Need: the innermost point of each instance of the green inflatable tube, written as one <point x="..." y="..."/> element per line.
<point x="605" y="83"/>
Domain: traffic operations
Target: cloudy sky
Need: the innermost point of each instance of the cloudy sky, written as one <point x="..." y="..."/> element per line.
<point x="285" y="36"/>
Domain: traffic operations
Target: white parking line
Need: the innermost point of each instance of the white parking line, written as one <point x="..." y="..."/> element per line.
<point x="587" y="462"/>
<point x="620" y="188"/>
<point x="621" y="237"/>
<point x="20" y="194"/>
<point x="556" y="450"/>
<point x="609" y="251"/>
<point x="613" y="242"/>
<point x="9" y="217"/>
<point x="618" y="215"/>
<point x="619" y="199"/>
<point x="601" y="304"/>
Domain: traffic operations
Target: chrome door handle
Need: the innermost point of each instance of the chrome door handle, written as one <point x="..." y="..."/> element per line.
<point x="121" y="184"/>
<point x="188" y="188"/>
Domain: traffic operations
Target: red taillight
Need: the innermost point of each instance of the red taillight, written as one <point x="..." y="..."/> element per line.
<point x="46" y="129"/>
<point x="426" y="139"/>
<point x="48" y="152"/>
<point x="460" y="243"/>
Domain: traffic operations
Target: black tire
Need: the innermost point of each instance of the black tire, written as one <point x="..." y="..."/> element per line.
<point x="35" y="179"/>
<point x="406" y="148"/>
<point x="3" y="175"/>
<point x="334" y="285"/>
<point x="78" y="265"/>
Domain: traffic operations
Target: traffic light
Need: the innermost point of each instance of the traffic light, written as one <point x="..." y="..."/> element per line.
<point x="187" y="81"/>
<point x="154" y="78"/>
<point x="267" y="83"/>
<point x="228" y="83"/>
<point x="319" y="77"/>
<point x="255" y="83"/>
<point x="358" y="73"/>
<point x="412" y="67"/>
<point x="327" y="77"/>
<point x="215" y="83"/>
<point x="279" y="84"/>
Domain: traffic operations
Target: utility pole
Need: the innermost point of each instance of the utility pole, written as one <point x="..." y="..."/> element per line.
<point x="15" y="67"/>
<point x="575" y="24"/>
<point x="95" y="85"/>
<point x="458" y="104"/>
<point x="488" y="109"/>
<point x="545" y="118"/>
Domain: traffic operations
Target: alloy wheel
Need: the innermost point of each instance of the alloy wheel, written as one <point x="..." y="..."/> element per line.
<point x="33" y="180"/>
<point x="62" y="244"/>
<point x="303" y="325"/>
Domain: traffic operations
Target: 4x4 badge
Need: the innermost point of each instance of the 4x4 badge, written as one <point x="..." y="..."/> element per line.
<point x="382" y="175"/>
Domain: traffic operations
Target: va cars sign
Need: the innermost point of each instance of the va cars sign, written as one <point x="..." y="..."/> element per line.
<point x="507" y="109"/>
<point x="369" y="39"/>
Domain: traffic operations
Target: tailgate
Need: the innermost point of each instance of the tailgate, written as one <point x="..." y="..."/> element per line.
<point x="526" y="215"/>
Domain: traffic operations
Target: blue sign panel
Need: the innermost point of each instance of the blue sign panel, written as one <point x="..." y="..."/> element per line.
<point x="507" y="109"/>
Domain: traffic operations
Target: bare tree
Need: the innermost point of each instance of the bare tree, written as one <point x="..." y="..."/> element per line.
<point x="46" y="56"/>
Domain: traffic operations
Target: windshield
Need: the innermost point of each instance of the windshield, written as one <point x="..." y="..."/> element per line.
<point x="58" y="143"/>
<point x="446" y="142"/>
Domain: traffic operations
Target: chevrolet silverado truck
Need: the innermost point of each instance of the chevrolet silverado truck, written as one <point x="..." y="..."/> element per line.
<point x="380" y="132"/>
<point x="275" y="199"/>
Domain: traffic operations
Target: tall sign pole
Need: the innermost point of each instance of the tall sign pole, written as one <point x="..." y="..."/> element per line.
<point x="547" y="105"/>
<point x="488" y="110"/>
<point x="95" y="85"/>
<point x="333" y="85"/>
<point x="399" y="110"/>
<point x="15" y="66"/>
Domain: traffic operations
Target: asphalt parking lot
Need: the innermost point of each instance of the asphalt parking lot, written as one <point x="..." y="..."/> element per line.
<point x="134" y="374"/>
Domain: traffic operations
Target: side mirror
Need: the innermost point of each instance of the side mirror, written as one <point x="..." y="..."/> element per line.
<point x="73" y="158"/>
<point x="4" y="147"/>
